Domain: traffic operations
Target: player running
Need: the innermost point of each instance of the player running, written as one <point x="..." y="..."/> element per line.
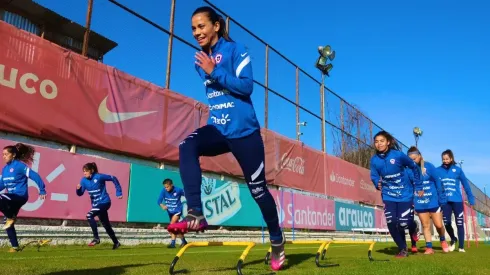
<point x="388" y="167"/>
<point x="429" y="206"/>
<point x="94" y="183"/>
<point x="14" y="177"/>
<point x="452" y="177"/>
<point x="173" y="205"/>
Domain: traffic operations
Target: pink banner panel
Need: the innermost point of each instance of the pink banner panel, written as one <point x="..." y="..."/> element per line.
<point x="61" y="172"/>
<point x="297" y="210"/>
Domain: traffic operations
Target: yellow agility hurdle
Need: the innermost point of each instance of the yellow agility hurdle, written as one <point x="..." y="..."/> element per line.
<point x="321" y="249"/>
<point x="370" y="254"/>
<point x="249" y="246"/>
<point x="38" y="243"/>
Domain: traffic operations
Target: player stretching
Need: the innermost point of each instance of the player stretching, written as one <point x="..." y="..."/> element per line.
<point x="226" y="70"/>
<point x="94" y="183"/>
<point x="172" y="196"/>
<point x="429" y="206"/>
<point x="14" y="178"/>
<point x="452" y="177"/>
<point x="388" y="167"/>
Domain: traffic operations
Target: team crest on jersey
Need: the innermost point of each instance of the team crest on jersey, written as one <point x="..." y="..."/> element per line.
<point x="454" y="170"/>
<point x="218" y="58"/>
<point x="95" y="180"/>
<point x="175" y="194"/>
<point x="392" y="161"/>
<point x="11" y="170"/>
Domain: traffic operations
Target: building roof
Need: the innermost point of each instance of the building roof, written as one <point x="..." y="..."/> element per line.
<point x="54" y="22"/>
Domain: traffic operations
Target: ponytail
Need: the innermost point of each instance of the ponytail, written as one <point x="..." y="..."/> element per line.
<point x="22" y="152"/>
<point x="223" y="30"/>
<point x="414" y="150"/>
<point x="91" y="166"/>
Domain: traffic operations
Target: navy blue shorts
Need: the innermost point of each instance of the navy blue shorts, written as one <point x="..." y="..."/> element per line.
<point x="429" y="210"/>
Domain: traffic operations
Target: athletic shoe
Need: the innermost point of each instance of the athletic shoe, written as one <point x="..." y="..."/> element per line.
<point x="414" y="249"/>
<point x="194" y="221"/>
<point x="462" y="250"/>
<point x="278" y="256"/>
<point x="452" y="246"/>
<point x="94" y="242"/>
<point x="116" y="246"/>
<point x="402" y="254"/>
<point x="429" y="251"/>
<point x="14" y="249"/>
<point x="445" y="247"/>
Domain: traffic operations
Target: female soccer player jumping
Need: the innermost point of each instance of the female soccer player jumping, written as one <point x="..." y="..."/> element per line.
<point x="388" y="167"/>
<point x="429" y="206"/>
<point x="452" y="177"/>
<point x="94" y="183"/>
<point x="226" y="70"/>
<point x="14" y="178"/>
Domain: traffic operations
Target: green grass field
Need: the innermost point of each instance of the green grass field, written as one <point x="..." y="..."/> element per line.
<point x="149" y="260"/>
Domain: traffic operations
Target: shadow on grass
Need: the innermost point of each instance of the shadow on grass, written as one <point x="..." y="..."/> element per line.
<point x="101" y="247"/>
<point x="113" y="270"/>
<point x="292" y="261"/>
<point x="392" y="251"/>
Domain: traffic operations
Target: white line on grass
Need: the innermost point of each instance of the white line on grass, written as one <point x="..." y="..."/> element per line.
<point x="51" y="257"/>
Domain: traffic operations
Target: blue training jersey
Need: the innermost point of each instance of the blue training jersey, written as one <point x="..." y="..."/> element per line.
<point x="390" y="168"/>
<point x="434" y="194"/>
<point x="14" y="178"/>
<point x="452" y="177"/>
<point x="172" y="200"/>
<point x="229" y="88"/>
<point x="96" y="188"/>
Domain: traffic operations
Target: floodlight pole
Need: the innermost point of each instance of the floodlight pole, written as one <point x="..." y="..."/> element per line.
<point x="322" y="110"/>
<point x="325" y="53"/>
<point x="417" y="132"/>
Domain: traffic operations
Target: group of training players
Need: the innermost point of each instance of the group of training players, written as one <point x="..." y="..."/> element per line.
<point x="410" y="184"/>
<point x="407" y="182"/>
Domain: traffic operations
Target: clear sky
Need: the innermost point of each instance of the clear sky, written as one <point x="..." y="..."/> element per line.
<point x="404" y="64"/>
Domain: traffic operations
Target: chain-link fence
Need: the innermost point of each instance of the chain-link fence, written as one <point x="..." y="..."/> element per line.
<point x="283" y="91"/>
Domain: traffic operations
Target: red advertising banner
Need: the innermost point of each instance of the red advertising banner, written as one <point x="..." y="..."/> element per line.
<point x="380" y="219"/>
<point x="297" y="166"/>
<point x="297" y="210"/>
<point x="61" y="172"/>
<point x="368" y="193"/>
<point x="69" y="99"/>
<point x="343" y="179"/>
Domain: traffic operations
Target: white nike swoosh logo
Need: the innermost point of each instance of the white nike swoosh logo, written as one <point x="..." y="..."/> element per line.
<point x="111" y="117"/>
<point x="244" y="54"/>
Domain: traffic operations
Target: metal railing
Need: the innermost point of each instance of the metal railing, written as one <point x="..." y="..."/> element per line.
<point x="344" y="126"/>
<point x="351" y="131"/>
